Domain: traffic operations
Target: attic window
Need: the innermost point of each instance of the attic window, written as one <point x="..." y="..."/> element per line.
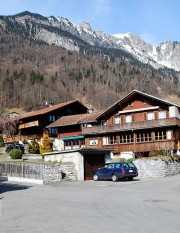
<point x="146" y="101"/>
<point x="130" y="104"/>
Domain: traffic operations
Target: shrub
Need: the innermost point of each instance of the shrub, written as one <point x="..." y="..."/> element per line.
<point x="46" y="144"/>
<point x="155" y="153"/>
<point x="130" y="160"/>
<point x="16" y="154"/>
<point x="122" y="160"/>
<point x="1" y="141"/>
<point x="33" y="147"/>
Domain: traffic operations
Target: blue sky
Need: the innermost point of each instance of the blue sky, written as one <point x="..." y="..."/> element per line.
<point x="155" y="21"/>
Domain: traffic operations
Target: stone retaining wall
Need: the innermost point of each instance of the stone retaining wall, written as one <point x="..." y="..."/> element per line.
<point x="156" y="168"/>
<point x="44" y="172"/>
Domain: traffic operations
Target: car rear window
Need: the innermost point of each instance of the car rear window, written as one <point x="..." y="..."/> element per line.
<point x="131" y="165"/>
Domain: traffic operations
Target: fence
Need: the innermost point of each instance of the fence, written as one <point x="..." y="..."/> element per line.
<point x="39" y="173"/>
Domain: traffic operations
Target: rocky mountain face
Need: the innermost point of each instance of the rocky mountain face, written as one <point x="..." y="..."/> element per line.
<point x="164" y="55"/>
<point x="51" y="59"/>
<point x="61" y="32"/>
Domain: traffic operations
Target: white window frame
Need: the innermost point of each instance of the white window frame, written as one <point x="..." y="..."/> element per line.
<point x="117" y="120"/>
<point x="150" y="116"/>
<point x="93" y="142"/>
<point x="128" y="118"/>
<point x="162" y="114"/>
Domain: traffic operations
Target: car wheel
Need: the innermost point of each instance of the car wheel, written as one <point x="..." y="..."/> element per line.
<point x="114" y="178"/>
<point x="130" y="178"/>
<point x="95" y="177"/>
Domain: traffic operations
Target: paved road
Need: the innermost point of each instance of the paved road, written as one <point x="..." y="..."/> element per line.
<point x="151" y="206"/>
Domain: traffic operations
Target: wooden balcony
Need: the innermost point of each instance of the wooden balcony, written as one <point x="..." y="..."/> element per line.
<point x="131" y="126"/>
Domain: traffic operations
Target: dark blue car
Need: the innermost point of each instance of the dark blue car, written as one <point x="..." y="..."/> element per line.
<point x="115" y="171"/>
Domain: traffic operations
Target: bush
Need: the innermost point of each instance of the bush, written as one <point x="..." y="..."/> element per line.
<point x="33" y="147"/>
<point x="122" y="160"/>
<point x="1" y="141"/>
<point x="16" y="154"/>
<point x="155" y="153"/>
<point x="130" y="160"/>
<point x="46" y="144"/>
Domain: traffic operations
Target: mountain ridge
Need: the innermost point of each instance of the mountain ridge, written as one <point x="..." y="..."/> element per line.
<point x="163" y="55"/>
<point x="51" y="59"/>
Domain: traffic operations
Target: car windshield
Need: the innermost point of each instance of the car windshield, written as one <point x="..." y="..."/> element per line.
<point x="131" y="165"/>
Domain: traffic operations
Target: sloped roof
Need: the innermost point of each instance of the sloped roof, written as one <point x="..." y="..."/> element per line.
<point x="130" y="95"/>
<point x="49" y="109"/>
<point x="75" y="119"/>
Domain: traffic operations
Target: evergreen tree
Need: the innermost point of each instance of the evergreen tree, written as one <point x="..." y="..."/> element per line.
<point x="46" y="145"/>
<point x="33" y="147"/>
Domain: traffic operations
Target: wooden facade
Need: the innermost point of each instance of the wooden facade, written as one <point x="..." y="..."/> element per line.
<point x="139" y="123"/>
<point x="33" y="124"/>
<point x="70" y="129"/>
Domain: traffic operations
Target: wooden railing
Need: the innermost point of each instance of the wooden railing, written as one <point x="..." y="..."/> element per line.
<point x="131" y="126"/>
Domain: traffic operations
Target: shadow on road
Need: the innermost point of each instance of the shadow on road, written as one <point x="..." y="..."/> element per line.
<point x="8" y="187"/>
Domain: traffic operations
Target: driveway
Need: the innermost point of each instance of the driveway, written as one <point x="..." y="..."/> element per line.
<point x="146" y="206"/>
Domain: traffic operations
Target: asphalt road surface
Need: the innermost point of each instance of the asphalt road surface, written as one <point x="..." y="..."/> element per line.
<point x="145" y="206"/>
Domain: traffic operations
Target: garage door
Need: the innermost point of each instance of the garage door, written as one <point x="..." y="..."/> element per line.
<point x="91" y="163"/>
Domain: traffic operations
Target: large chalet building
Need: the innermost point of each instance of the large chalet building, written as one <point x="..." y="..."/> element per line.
<point x="137" y="123"/>
<point x="33" y="124"/>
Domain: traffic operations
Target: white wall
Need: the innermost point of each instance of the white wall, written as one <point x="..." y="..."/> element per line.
<point x="174" y="112"/>
<point x="72" y="157"/>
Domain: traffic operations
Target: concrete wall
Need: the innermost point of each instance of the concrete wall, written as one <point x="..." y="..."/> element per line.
<point x="72" y="157"/>
<point x="156" y="168"/>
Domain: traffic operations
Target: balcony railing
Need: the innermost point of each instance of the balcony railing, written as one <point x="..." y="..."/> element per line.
<point x="131" y="126"/>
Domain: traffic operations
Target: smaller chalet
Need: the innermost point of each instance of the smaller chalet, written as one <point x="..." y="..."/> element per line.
<point x="69" y="129"/>
<point x="33" y="124"/>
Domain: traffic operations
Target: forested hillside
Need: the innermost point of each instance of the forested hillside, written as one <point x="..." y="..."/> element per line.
<point x="32" y="72"/>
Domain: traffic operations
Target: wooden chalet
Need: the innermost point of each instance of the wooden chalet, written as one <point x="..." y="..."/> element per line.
<point x="70" y="127"/>
<point x="139" y="123"/>
<point x="33" y="124"/>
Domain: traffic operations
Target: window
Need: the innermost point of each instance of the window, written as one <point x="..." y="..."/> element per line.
<point x="168" y="133"/>
<point x="125" y="166"/>
<point x="146" y="101"/>
<point x="93" y="142"/>
<point x="144" y="137"/>
<point x="112" y="140"/>
<point x="130" y="104"/>
<point x="109" y="166"/>
<point x="162" y="114"/>
<point x="128" y="118"/>
<point x="67" y="145"/>
<point x="117" y="120"/>
<point x="109" y="140"/>
<point x="161" y="135"/>
<point x="75" y="144"/>
<point x="126" y="138"/>
<point x="150" y="115"/>
<point x="52" y="118"/>
<point x="103" y="122"/>
<point x="53" y="131"/>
